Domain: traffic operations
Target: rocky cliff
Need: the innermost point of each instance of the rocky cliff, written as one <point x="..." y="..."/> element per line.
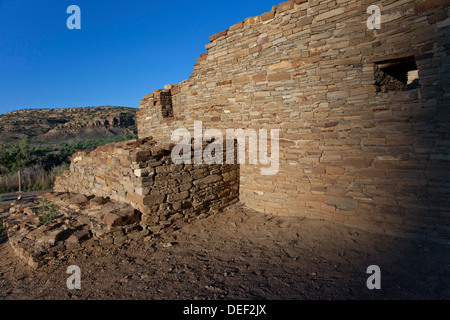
<point x="52" y="126"/>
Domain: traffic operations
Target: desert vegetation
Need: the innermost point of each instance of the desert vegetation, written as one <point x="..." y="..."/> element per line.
<point x="24" y="167"/>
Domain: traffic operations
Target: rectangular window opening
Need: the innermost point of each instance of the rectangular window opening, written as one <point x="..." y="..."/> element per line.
<point x="396" y="75"/>
<point x="166" y="105"/>
<point x="167" y="111"/>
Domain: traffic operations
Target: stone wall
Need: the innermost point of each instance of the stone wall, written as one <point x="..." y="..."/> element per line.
<point x="143" y="175"/>
<point x="349" y="152"/>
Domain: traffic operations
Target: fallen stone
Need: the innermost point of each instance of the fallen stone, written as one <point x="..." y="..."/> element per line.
<point x="157" y="151"/>
<point x="176" y="216"/>
<point x="78" y="200"/>
<point x="99" y="230"/>
<point x="122" y="218"/>
<point x="113" y="206"/>
<point x="31" y="211"/>
<point x="167" y="147"/>
<point x="64" y="197"/>
<point x="131" y="228"/>
<point x="97" y="201"/>
<point x="83" y="219"/>
<point x="53" y="236"/>
<point x="79" y="236"/>
<point x="37" y="232"/>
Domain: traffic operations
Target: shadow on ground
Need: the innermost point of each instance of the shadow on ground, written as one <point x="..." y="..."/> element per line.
<point x="239" y="254"/>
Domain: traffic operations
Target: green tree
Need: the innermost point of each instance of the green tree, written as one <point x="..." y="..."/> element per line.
<point x="15" y="156"/>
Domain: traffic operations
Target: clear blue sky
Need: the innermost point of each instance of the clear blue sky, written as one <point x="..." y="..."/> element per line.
<point x="125" y="49"/>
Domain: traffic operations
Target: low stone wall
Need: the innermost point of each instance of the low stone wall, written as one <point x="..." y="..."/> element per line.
<point x="41" y="229"/>
<point x="143" y="175"/>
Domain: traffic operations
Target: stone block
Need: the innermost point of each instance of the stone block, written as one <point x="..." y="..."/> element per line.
<point x="154" y="198"/>
<point x="122" y="218"/>
<point x="79" y="236"/>
<point x="280" y="65"/>
<point x="261" y="76"/>
<point x="230" y="176"/>
<point x="279" y="76"/>
<point x="79" y="200"/>
<point x="237" y="26"/>
<point x="178" y="196"/>
<point x="284" y="6"/>
<point x="207" y="180"/>
<point x="268" y="15"/>
<point x="342" y="202"/>
<point x="53" y="237"/>
<point x="423" y="6"/>
<point x="251" y="21"/>
<point x="358" y="162"/>
<point x="218" y="35"/>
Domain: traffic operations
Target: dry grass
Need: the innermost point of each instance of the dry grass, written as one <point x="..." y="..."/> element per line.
<point x="33" y="179"/>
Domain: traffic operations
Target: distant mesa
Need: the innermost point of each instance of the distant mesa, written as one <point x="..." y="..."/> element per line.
<point x="52" y="126"/>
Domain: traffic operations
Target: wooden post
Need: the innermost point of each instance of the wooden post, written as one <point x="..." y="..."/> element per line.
<point x="20" y="181"/>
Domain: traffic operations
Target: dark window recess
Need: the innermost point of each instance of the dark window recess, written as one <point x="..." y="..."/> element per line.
<point x="166" y="105"/>
<point x="167" y="111"/>
<point x="396" y="75"/>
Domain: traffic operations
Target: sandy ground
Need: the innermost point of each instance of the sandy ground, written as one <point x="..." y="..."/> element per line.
<point x="239" y="254"/>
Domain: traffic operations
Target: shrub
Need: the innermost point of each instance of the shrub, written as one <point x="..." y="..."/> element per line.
<point x="39" y="166"/>
<point x="49" y="211"/>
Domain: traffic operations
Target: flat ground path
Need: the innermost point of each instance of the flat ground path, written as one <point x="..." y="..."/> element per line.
<point x="7" y="198"/>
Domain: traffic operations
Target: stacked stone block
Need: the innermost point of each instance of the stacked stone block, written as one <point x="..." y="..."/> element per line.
<point x="142" y="174"/>
<point x="348" y="153"/>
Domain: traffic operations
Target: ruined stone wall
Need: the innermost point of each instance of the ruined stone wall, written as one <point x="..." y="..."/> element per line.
<point x="143" y="175"/>
<point x="349" y="151"/>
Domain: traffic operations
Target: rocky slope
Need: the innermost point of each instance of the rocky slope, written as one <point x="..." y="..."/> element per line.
<point x="52" y="126"/>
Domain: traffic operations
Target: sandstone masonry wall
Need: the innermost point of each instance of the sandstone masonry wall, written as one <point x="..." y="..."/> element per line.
<point x="142" y="174"/>
<point x="375" y="160"/>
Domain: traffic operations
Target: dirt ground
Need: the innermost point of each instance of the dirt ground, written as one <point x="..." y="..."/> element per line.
<point x="239" y="254"/>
